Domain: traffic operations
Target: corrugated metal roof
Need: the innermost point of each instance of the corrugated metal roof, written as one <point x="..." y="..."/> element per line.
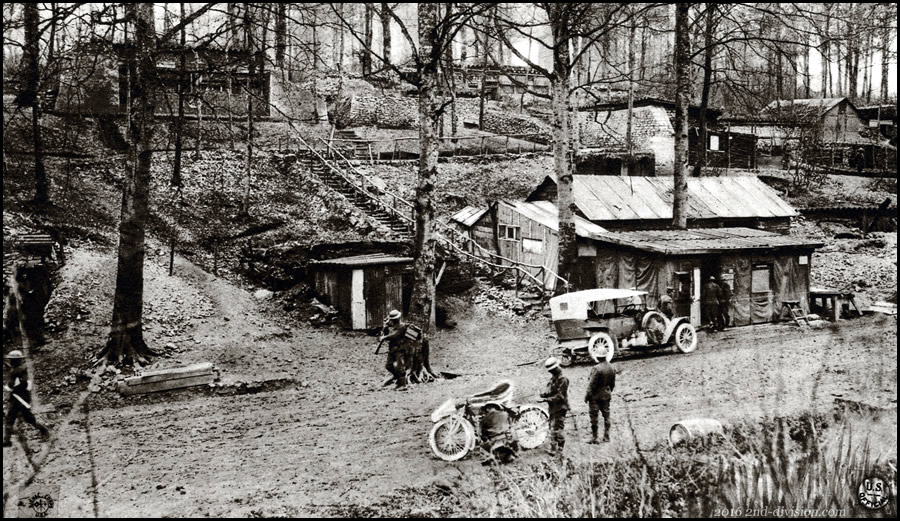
<point x="547" y="214"/>
<point x="617" y="198"/>
<point x="704" y="240"/>
<point x="468" y="215"/>
<point x="822" y="105"/>
<point x="372" y="259"/>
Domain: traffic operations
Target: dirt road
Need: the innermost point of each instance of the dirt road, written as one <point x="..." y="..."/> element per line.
<point x="332" y="436"/>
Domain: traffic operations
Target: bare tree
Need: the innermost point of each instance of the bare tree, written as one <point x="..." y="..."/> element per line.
<point x="682" y="95"/>
<point x="31" y="97"/>
<point x="126" y="340"/>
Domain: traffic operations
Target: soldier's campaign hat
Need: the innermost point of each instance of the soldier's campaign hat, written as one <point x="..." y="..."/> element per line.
<point x="551" y="363"/>
<point x="15" y="354"/>
<point x="394" y="315"/>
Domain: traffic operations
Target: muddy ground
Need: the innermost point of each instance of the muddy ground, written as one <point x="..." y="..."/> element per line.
<point x="313" y="433"/>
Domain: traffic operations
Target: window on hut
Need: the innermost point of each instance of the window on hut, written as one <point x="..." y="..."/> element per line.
<point x="761" y="279"/>
<point x="532" y="245"/>
<point x="510" y="233"/>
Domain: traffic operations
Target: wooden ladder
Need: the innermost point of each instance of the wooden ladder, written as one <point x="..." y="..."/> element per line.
<point x="793" y="307"/>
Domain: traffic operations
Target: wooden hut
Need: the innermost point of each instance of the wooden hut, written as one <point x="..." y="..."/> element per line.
<point x="765" y="270"/>
<point x="364" y="288"/>
<point x="527" y="233"/>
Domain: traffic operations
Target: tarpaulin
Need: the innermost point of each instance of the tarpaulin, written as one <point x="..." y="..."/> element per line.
<point x="607" y="275"/>
<point x="762" y="301"/>
<point x="790" y="282"/>
<point x="740" y="301"/>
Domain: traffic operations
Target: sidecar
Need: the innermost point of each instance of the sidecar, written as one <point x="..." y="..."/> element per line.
<point x="457" y="424"/>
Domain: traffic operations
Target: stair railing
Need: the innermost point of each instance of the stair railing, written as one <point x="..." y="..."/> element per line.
<point x="360" y="187"/>
<point x="391" y="207"/>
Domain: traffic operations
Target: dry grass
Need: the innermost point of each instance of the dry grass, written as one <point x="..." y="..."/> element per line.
<point x="786" y="466"/>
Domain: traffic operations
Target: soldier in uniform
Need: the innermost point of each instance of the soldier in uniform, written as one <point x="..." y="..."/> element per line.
<point x="20" y="398"/>
<point x="599" y="393"/>
<point x="710" y="300"/>
<point x="725" y="295"/>
<point x="495" y="431"/>
<point x="557" y="398"/>
<point x="394" y="331"/>
<point x="666" y="304"/>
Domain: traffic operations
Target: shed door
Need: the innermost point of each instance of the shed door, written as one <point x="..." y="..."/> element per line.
<point x="357" y="301"/>
<point x="695" y="297"/>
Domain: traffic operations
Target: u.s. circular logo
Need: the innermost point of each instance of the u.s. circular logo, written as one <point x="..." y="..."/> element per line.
<point x="873" y="493"/>
<point x="41" y="504"/>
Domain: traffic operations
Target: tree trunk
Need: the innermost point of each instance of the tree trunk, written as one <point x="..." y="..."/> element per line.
<point x="481" y="98"/>
<point x="807" y="74"/>
<point x="230" y="41"/>
<point x="280" y="34"/>
<point x="682" y="95"/>
<point x="424" y="240"/>
<point x="385" y="16"/>
<point x="126" y="341"/>
<point x="827" y="88"/>
<point x="708" y="41"/>
<point x="629" y="128"/>
<point x="179" y="122"/>
<point x="366" y="52"/>
<point x="31" y="97"/>
<point x="562" y="146"/>
<point x="251" y="68"/>
<point x="885" y="61"/>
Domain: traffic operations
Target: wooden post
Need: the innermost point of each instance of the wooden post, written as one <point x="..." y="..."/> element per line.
<point x="507" y="144"/>
<point x="171" y="254"/>
<point x="519" y="148"/>
<point x="394" y="153"/>
<point x="482" y="145"/>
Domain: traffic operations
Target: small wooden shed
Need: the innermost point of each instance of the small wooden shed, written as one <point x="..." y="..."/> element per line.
<point x="527" y="233"/>
<point x="364" y="288"/>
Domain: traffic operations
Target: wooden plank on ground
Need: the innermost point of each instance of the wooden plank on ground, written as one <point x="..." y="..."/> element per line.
<point x="166" y="385"/>
<point x="159" y="375"/>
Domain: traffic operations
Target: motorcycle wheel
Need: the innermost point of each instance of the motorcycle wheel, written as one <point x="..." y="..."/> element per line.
<point x="451" y="438"/>
<point x="531" y="427"/>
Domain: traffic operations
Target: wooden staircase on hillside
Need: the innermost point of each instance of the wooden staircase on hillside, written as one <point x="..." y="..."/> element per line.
<point x="338" y="173"/>
<point x="352" y="146"/>
<point x="356" y="194"/>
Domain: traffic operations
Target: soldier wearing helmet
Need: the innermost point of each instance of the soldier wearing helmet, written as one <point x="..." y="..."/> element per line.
<point x="495" y="431"/>
<point x="394" y="331"/>
<point x="557" y="398"/>
<point x="19" y="388"/>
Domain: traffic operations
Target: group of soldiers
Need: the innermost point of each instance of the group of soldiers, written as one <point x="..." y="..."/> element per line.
<point x="598" y="395"/>
<point x="717" y="303"/>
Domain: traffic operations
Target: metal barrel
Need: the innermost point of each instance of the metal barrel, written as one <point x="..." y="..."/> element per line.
<point x="687" y="430"/>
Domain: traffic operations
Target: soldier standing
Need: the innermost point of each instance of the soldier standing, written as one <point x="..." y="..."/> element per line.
<point x="557" y="398"/>
<point x="599" y="393"/>
<point x="394" y="332"/>
<point x="725" y="295"/>
<point x="666" y="305"/>
<point x="711" y="302"/>
<point x="20" y="398"/>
